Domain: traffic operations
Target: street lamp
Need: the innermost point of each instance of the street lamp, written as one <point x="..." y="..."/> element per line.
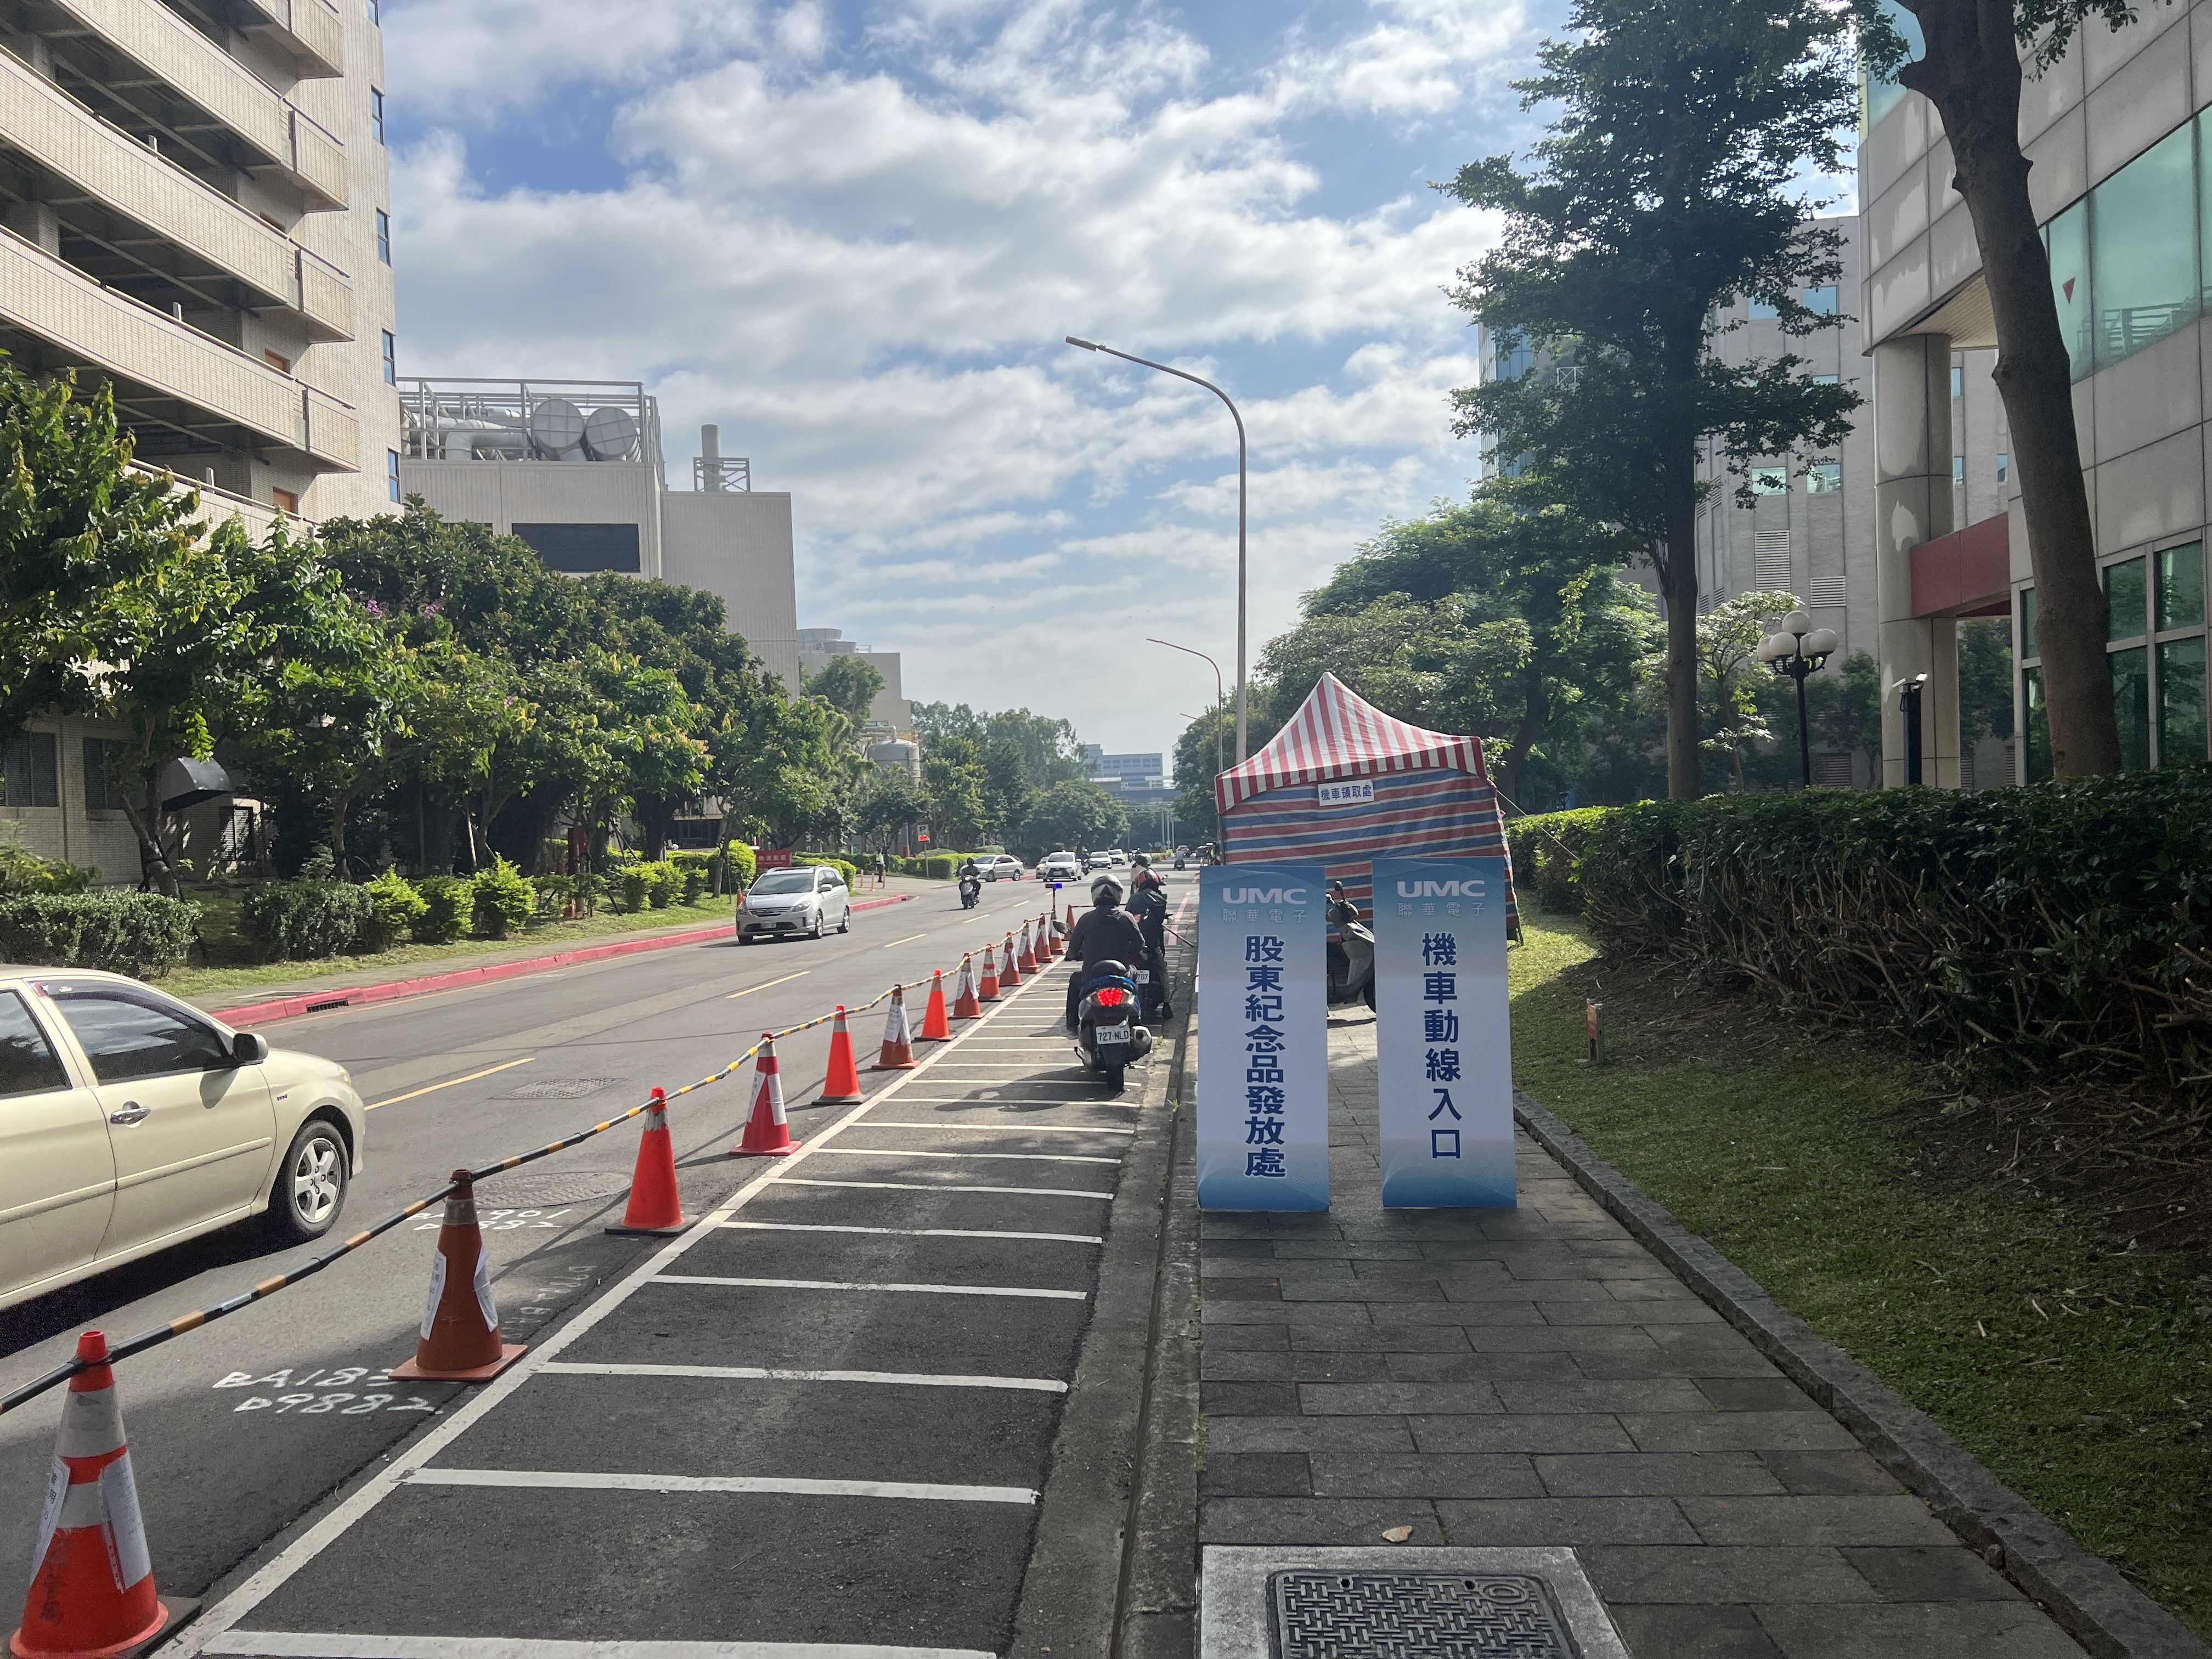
<point x="1180" y="374"/>
<point x="1217" y="698"/>
<point x="1798" y="650"/>
<point x="1908" y="703"/>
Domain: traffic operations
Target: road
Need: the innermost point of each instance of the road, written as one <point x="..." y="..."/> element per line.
<point x="239" y="1429"/>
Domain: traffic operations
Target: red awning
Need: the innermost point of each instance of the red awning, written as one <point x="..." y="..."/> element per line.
<point x="1337" y="734"/>
<point x="1967" y="572"/>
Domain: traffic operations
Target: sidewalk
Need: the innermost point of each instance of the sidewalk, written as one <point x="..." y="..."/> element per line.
<point x="1536" y="1377"/>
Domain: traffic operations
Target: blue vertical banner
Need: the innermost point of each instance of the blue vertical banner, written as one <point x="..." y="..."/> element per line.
<point x="1444" y="1040"/>
<point x="1263" y="1056"/>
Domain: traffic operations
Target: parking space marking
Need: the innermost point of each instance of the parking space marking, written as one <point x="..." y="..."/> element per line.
<point x="932" y="1187"/>
<point x="559" y="1480"/>
<point x="507" y="1065"/>
<point x="769" y="986"/>
<point x="908" y="1232"/>
<point x="787" y="1374"/>
<point x="330" y="1645"/>
<point x="1016" y="1157"/>
<point x="862" y="1285"/>
<point x="992" y="1129"/>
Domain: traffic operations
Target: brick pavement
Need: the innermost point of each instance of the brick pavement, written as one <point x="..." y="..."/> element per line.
<point x="1535" y="1376"/>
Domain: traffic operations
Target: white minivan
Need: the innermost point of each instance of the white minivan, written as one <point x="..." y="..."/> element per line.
<point x="807" y="902"/>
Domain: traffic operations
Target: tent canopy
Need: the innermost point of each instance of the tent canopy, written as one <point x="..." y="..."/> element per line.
<point x="1336" y="734"/>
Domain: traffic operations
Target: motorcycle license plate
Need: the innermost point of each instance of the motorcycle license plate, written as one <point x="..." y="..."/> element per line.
<point x="1144" y="976"/>
<point x="1105" y="1034"/>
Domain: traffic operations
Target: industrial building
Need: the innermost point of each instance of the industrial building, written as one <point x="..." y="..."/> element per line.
<point x="574" y="468"/>
<point x="890" y="715"/>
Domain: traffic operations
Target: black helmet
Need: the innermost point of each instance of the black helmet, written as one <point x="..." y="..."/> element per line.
<point x="1106" y="891"/>
<point x="1144" y="860"/>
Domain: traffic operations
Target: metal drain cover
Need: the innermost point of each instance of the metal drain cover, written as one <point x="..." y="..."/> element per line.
<point x="1416" y="1616"/>
<point x="529" y="1192"/>
<point x="560" y="1088"/>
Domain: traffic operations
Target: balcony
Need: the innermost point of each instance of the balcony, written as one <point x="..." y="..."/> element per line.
<point x="309" y="31"/>
<point x="106" y="188"/>
<point x="184" y="392"/>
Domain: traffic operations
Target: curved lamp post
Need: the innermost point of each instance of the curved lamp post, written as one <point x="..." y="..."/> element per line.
<point x="1796" y="651"/>
<point x="1181" y="374"/>
<point x="1217" y="698"/>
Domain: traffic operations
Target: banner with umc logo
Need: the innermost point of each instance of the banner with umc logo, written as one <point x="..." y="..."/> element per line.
<point x="1444" y="1050"/>
<point x="1263" y="1061"/>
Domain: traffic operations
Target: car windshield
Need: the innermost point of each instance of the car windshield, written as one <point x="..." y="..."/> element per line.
<point x="784" y="881"/>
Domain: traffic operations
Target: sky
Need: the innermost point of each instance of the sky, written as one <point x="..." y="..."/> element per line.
<point x="855" y="233"/>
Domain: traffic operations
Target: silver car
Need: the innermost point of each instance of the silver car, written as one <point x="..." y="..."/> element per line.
<point x="1060" y="866"/>
<point x="130" y="1121"/>
<point x="788" y="903"/>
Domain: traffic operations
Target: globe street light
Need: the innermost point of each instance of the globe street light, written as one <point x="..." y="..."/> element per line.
<point x="1217" y="698"/>
<point x="1798" y="650"/>
<point x="1180" y="374"/>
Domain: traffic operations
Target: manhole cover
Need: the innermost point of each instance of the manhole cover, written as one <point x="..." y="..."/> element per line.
<point x="561" y="1088"/>
<point x="1416" y="1616"/>
<point x="525" y="1192"/>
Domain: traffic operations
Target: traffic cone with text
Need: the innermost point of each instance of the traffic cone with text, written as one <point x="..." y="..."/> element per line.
<point x="1011" y="974"/>
<point x="768" y="1132"/>
<point x="655" y="1205"/>
<point x="935" y="1027"/>
<point x="460" y="1323"/>
<point x="1027" y="961"/>
<point x="841" y="1087"/>
<point x="92" y="1579"/>
<point x="899" y="1037"/>
<point x="1051" y="937"/>
<point x="990" y="993"/>
<point x="966" y="1005"/>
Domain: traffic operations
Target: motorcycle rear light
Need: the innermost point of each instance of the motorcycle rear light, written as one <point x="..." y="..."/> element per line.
<point x="1110" y="998"/>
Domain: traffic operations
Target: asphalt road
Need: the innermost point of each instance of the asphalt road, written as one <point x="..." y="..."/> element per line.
<point x="239" y="1429"/>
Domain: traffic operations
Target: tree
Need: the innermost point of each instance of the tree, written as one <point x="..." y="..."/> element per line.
<point x="886" y="803"/>
<point x="1984" y="680"/>
<point x="952" y="783"/>
<point x="1728" y="683"/>
<point x="1438" y="664"/>
<point x="1076" y="813"/>
<point x="1663" y="191"/>
<point x="1845" y="706"/>
<point x="849" y="685"/>
<point x="1008" y="788"/>
<point x="1969" y="68"/>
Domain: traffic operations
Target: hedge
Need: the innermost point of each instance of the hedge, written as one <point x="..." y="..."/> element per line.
<point x="1546" y="849"/>
<point x="295" y="921"/>
<point x="2060" y="928"/>
<point x="142" y="934"/>
<point x="844" y="867"/>
<point x="450" y="908"/>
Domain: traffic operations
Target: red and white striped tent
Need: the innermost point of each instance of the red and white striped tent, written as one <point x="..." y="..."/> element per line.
<point x="1432" y="797"/>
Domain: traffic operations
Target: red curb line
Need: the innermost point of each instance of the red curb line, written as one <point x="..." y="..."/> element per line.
<point x="355" y="996"/>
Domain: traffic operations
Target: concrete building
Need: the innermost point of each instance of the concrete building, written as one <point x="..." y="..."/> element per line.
<point x="2115" y="134"/>
<point x="574" y="469"/>
<point x="1128" y="771"/>
<point x="195" y="210"/>
<point x="890" y="717"/>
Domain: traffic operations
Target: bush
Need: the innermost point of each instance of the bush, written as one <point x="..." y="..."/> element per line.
<point x="394" y="907"/>
<point x="22" y="871"/>
<point x="1548" y="853"/>
<point x="694" y="872"/>
<point x="635" y="887"/>
<point x="120" y="932"/>
<point x="844" y="867"/>
<point x="298" y="920"/>
<point x="449" y="908"/>
<point x="744" y="865"/>
<point x="503" y="898"/>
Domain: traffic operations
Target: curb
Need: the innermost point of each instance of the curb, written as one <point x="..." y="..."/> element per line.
<point x="355" y="996"/>
<point x="2087" y="1597"/>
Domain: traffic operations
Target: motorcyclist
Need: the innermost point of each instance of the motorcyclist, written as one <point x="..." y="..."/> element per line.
<point x="971" y="884"/>
<point x="1148" y="902"/>
<point x="1340" y="911"/>
<point x="1104" y="933"/>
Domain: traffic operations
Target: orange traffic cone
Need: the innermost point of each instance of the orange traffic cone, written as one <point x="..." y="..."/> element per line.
<point x="1050" y="938"/>
<point x="990" y="993"/>
<point x="966" y="1005"/>
<point x="655" y="1205"/>
<point x="460" y="1324"/>
<point x="1027" y="961"/>
<point x="92" y="1580"/>
<point x="768" y="1132"/>
<point x="1010" y="974"/>
<point x="899" y="1037"/>
<point x="935" y="1027"/>
<point x="842" y="1085"/>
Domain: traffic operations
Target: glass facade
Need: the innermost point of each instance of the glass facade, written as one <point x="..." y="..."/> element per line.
<point x="2157" y="653"/>
<point x="1821" y="300"/>
<point x="1770" y="480"/>
<point x="2131" y="705"/>
<point x="1824" y="478"/>
<point x="2039" y="724"/>
<point x="2181" y="587"/>
<point x="1877" y="97"/>
<point x="2127" y="592"/>
<point x="2181" y="701"/>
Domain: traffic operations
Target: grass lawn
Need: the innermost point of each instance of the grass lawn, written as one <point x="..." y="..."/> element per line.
<point x="232" y="967"/>
<point x="2079" y="1371"/>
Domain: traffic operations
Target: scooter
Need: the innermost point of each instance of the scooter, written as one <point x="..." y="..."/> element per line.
<point x="1107" y="1034"/>
<point x="1178" y="865"/>
<point x="1352" y="965"/>
<point x="971" y="892"/>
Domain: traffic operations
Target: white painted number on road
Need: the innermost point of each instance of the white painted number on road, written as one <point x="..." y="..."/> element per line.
<point x="322" y="1403"/>
<point x="506" y="1221"/>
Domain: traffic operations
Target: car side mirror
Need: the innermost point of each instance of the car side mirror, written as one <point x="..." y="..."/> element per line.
<point x="249" y="1048"/>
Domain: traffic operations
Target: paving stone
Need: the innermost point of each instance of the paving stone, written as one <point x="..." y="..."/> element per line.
<point x="1657" y="1474"/>
<point x="1560" y="1311"/>
<point x="1935" y="1572"/>
<point x="1702" y="1573"/>
<point x="1238" y="1248"/>
<point x="1507" y="1432"/>
<point x="1282" y="1312"/>
<point x="1272" y="1434"/>
<point x="1384" y="1338"/>
<point x="1740" y="1360"/>
<point x="1830" y="1473"/>
<point x="1916" y="1630"/>
<point x="1242" y="1290"/>
<point x="1773" y="1394"/>
<point x="1693" y="1632"/>
<point x="1249" y="1399"/>
<point x="1317" y="1521"/>
<point x="1571" y="1521"/>
<point x="1249" y="1336"/>
<point x="1395" y="1398"/>
<point x="1348" y="1249"/>
<point x="1218" y="1366"/>
<point x="1667" y="1431"/>
<point x="1362" y="1290"/>
<point x="1628" y="1288"/>
<point x="1560" y="1338"/>
<point x="1662" y="1396"/>
<point x="1835" y="1521"/>
<point x="1477" y="1367"/>
<point x="1472" y="1289"/>
<point x="1516" y="1310"/>
<point x="1256" y="1474"/>
<point x="1370" y="1474"/>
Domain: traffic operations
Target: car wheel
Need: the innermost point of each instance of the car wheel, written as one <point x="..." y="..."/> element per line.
<point x="816" y="933"/>
<point x="845" y="921"/>
<point x="311" y="1184"/>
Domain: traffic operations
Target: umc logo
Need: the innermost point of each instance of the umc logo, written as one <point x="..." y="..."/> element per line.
<point x="1424" y="888"/>
<point x="1263" y="896"/>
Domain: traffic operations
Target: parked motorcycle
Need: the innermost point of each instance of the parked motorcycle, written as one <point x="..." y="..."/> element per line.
<point x="1107" y="1034"/>
<point x="971" y="892"/>
<point x="1351" y="963"/>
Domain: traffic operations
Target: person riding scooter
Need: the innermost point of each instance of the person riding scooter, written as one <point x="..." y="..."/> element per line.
<point x="1104" y="933"/>
<point x="1148" y="902"/>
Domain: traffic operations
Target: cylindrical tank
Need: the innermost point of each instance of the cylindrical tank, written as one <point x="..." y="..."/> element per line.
<point x="610" y="434"/>
<point x="897" y="755"/>
<point x="556" y="429"/>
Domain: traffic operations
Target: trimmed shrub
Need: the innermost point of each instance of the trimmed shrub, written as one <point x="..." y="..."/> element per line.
<point x="449" y="908"/>
<point x="635" y="887"/>
<point x="503" y="899"/>
<point x="394" y="908"/>
<point x="1548" y="853"/>
<point x="22" y="871"/>
<point x="694" y="872"/>
<point x="142" y="935"/>
<point x="300" y="920"/>
<point x="744" y="865"/>
<point x="844" y="867"/>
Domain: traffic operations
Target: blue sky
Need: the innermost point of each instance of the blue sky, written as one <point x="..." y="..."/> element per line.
<point x="855" y="234"/>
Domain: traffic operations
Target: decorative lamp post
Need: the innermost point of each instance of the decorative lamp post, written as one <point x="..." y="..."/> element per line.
<point x="1795" y="651"/>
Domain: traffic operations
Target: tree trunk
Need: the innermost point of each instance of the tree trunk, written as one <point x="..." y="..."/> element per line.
<point x="1677" y="582"/>
<point x="1972" y="73"/>
<point x="340" y="800"/>
<point x="1535" y="716"/>
<point x="159" y="870"/>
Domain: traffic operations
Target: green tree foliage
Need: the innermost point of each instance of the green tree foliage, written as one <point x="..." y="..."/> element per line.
<point x="1665" y="187"/>
<point x="849" y="685"/>
<point x="1076" y="815"/>
<point x="1984" y="679"/>
<point x="953" y="786"/>
<point x="1845" y="702"/>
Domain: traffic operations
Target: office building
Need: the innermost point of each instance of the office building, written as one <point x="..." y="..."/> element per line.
<point x="1127" y="771"/>
<point x="574" y="469"/>
<point x="890" y="717"/>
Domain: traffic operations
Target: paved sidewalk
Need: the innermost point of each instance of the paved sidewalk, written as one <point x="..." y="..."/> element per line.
<point x="1535" y="1376"/>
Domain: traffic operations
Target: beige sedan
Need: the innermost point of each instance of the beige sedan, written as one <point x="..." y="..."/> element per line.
<point x="130" y="1121"/>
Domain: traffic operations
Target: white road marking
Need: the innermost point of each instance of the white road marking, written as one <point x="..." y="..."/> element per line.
<point x="768" y="985"/>
<point x="994" y="1129"/>
<point x="932" y="1187"/>
<point x="1017" y="1157"/>
<point x="908" y="939"/>
<point x="558" y="1479"/>
<point x="908" y="1232"/>
<point x="862" y="1285"/>
<point x="785" y="1374"/>
<point x="319" y="1644"/>
<point x="433" y="1089"/>
<point x="1019" y="1100"/>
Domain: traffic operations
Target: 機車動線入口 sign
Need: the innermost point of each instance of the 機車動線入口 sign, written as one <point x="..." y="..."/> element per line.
<point x="1444" y="1061"/>
<point x="1263" y="1067"/>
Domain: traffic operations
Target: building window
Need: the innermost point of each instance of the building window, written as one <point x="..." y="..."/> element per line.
<point x="2181" y="701"/>
<point x="391" y="473"/>
<point x="30" y="770"/>
<point x="101" y="792"/>
<point x="2181" y="587"/>
<point x="2126" y="592"/>
<point x="2158" y="681"/>
<point x="284" y="501"/>
<point x="376" y="113"/>
<point x="1770" y="480"/>
<point x="1958" y="473"/>
<point x="2142" y="249"/>
<point x="1828" y="380"/>
<point x="1761" y="309"/>
<point x="383" y="236"/>
<point x="391" y="359"/>
<point x="1957" y="381"/>
<point x="2038" y="713"/>
<point x="2004" y="466"/>
<point x="1824" y="478"/>
<point x="1821" y="300"/>
<point x="376" y="12"/>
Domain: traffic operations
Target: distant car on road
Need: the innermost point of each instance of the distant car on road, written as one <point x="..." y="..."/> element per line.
<point x="997" y="866"/>
<point x="1118" y="858"/>
<point x="1101" y="861"/>
<point x="1060" y="866"/>
<point x="786" y="904"/>
<point x="130" y="1121"/>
